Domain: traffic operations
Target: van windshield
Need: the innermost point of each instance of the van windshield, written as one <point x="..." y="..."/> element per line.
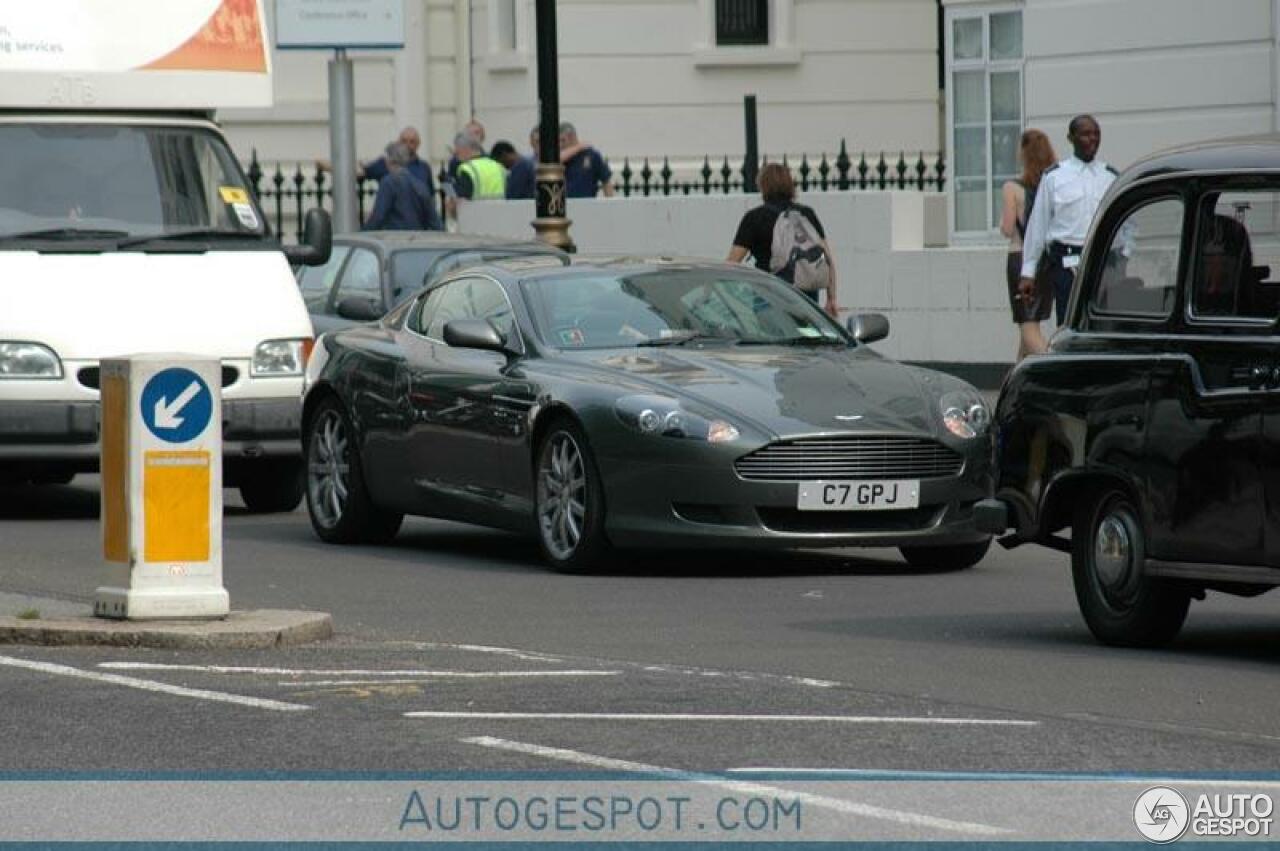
<point x="93" y="181"/>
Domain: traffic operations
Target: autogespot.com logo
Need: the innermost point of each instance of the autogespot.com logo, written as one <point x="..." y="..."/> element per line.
<point x="1161" y="814"/>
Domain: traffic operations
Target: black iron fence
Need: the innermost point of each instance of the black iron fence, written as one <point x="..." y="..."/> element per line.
<point x="286" y="195"/>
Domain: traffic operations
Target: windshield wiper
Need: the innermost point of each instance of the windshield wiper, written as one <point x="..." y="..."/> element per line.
<point x="179" y="235"/>
<point x="686" y="337"/>
<point x="795" y="341"/>
<point x="65" y="234"/>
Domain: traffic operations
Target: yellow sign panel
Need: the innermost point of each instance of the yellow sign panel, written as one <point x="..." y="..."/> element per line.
<point x="115" y="437"/>
<point x="233" y="195"/>
<point x="175" y="496"/>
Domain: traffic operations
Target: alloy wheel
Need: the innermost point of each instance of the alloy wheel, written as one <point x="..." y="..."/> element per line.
<point x="329" y="469"/>
<point x="562" y="495"/>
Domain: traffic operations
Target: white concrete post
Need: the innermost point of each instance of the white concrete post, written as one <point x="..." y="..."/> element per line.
<point x="161" y="488"/>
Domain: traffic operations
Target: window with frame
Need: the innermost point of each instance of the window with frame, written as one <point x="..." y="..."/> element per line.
<point x="505" y="36"/>
<point x="1237" y="270"/>
<point x="984" y="75"/>
<point x="742" y="22"/>
<point x="316" y="282"/>
<point x="1140" y="269"/>
<point x="361" y="277"/>
<point x="469" y="298"/>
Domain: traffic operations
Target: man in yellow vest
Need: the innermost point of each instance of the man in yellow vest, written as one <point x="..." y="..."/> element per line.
<point x="479" y="177"/>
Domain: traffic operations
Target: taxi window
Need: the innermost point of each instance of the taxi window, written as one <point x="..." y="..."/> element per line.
<point x="1140" y="268"/>
<point x="1237" y="268"/>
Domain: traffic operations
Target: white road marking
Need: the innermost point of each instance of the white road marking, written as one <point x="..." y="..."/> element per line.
<point x="662" y="716"/>
<point x="836" y="804"/>
<point x="996" y="776"/>
<point x="684" y="670"/>
<point x="348" y="672"/>
<point x="152" y="685"/>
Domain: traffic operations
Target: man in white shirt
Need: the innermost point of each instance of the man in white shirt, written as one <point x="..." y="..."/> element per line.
<point x="1065" y="201"/>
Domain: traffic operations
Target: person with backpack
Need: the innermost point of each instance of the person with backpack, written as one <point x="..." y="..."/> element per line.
<point x="1035" y="154"/>
<point x="787" y="239"/>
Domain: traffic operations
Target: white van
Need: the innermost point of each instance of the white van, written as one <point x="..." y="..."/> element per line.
<point x="129" y="229"/>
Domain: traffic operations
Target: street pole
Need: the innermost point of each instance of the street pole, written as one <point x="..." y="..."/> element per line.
<point x="551" y="224"/>
<point x="342" y="142"/>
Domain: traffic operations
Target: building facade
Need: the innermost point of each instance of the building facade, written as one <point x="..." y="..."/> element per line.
<point x="1155" y="73"/>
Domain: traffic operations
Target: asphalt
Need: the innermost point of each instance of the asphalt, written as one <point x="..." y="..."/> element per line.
<point x="467" y="626"/>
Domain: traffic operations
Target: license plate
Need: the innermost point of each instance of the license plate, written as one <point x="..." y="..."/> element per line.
<point x="858" y="496"/>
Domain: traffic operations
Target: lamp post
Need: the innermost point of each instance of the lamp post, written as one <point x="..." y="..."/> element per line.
<point x="551" y="224"/>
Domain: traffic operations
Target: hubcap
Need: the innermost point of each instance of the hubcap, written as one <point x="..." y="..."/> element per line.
<point x="328" y="469"/>
<point x="562" y="495"/>
<point x="1113" y="554"/>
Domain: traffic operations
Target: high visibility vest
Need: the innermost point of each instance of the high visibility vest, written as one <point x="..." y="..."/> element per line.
<point x="488" y="178"/>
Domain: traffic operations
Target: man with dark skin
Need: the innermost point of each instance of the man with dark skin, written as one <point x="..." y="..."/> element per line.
<point x="1064" y="205"/>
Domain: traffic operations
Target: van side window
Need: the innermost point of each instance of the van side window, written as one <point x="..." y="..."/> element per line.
<point x="1140" y="272"/>
<point x="1237" y="249"/>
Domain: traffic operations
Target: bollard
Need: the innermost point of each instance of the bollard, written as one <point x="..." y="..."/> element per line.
<point x="161" y="468"/>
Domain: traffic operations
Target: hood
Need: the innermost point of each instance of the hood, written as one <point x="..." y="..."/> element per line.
<point x="789" y="391"/>
<point x="89" y="306"/>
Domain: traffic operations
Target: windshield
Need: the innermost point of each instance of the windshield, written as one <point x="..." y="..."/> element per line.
<point x="408" y="269"/>
<point x="94" y="181"/>
<point x="675" y="306"/>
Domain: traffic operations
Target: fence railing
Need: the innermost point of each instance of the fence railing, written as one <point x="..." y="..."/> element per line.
<point x="286" y="194"/>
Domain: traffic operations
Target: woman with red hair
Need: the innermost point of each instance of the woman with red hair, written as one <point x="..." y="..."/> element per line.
<point x="1035" y="153"/>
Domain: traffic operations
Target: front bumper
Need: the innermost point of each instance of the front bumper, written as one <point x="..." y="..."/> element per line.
<point x="667" y="505"/>
<point x="43" y="432"/>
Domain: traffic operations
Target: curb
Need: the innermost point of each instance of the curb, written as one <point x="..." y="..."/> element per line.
<point x="252" y="630"/>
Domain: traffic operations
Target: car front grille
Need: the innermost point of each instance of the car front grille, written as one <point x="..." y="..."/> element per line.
<point x="811" y="459"/>
<point x="91" y="377"/>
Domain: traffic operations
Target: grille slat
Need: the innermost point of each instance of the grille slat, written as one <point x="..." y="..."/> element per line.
<point x="850" y="458"/>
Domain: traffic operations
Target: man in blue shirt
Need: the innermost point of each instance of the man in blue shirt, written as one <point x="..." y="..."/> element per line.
<point x="522" y="174"/>
<point x="585" y="170"/>
<point x="419" y="168"/>
<point x="403" y="202"/>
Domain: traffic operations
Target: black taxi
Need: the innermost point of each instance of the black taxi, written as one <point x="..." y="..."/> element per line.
<point x="1146" y="442"/>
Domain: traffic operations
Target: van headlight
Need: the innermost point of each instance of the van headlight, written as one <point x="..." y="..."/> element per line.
<point x="28" y="360"/>
<point x="965" y="415"/>
<point x="280" y="357"/>
<point x="660" y="416"/>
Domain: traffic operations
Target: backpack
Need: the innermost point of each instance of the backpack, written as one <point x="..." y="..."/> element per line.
<point x="798" y="257"/>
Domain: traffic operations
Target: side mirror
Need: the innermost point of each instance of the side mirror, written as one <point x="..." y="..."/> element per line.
<point x="359" y="309"/>
<point x="317" y="240"/>
<point x="474" y="334"/>
<point x="868" y="327"/>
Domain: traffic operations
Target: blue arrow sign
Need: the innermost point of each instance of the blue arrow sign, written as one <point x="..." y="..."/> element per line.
<point x="176" y="405"/>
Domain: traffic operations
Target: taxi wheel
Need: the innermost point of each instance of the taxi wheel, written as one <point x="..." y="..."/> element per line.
<point x="569" y="501"/>
<point x="1121" y="605"/>
<point x="272" y="486"/>
<point x="952" y="557"/>
<point x="337" y="499"/>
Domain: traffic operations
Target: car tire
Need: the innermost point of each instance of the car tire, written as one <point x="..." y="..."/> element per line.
<point x="1120" y="604"/>
<point x="949" y="557"/>
<point x="569" y="509"/>
<point x="272" y="487"/>
<point x="338" y="502"/>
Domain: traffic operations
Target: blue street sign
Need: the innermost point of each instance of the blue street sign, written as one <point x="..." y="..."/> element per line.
<point x="176" y="405"/>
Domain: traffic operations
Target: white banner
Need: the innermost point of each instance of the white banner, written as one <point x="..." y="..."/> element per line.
<point x="736" y="807"/>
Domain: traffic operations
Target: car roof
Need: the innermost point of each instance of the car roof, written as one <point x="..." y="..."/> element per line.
<point x="1242" y="154"/>
<point x="586" y="266"/>
<point x="397" y="239"/>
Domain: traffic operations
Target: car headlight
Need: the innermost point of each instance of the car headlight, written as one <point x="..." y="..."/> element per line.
<point x="28" y="360"/>
<point x="965" y="415"/>
<point x="663" y="417"/>
<point x="280" y="357"/>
